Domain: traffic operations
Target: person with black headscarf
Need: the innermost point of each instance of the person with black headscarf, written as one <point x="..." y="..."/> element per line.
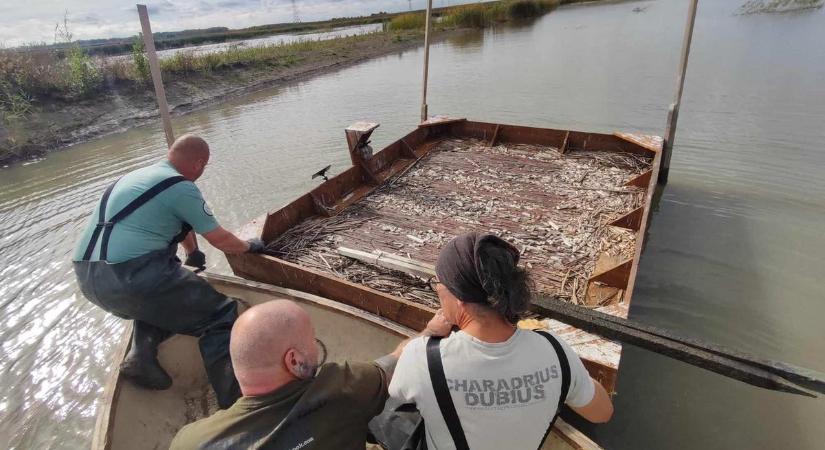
<point x="505" y="383"/>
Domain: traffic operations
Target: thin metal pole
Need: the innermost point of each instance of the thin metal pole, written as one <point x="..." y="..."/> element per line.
<point x="154" y="67"/>
<point x="673" y="111"/>
<point x="426" y="60"/>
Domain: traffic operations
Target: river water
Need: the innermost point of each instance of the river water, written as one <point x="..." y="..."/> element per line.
<point x="735" y="252"/>
<point x="277" y="39"/>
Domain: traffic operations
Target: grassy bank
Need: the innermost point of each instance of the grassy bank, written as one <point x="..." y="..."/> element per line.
<point x="56" y="98"/>
<point x="480" y="15"/>
<point x="88" y="97"/>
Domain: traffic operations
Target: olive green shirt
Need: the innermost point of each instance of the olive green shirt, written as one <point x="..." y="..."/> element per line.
<point x="330" y="411"/>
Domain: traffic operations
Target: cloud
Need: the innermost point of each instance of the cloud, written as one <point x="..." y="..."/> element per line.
<point x="92" y="19"/>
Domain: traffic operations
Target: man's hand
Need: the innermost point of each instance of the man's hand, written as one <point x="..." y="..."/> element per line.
<point x="256" y="245"/>
<point x="438" y="325"/>
<point x="196" y="259"/>
<point x="226" y="242"/>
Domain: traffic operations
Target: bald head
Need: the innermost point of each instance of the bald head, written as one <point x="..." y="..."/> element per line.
<point x="272" y="344"/>
<point x="189" y="155"/>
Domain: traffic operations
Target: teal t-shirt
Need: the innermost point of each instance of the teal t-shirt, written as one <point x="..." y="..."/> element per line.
<point x="152" y="226"/>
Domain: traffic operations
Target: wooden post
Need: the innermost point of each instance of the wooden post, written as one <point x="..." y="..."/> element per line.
<point x="154" y="67"/>
<point x="673" y="111"/>
<point x="426" y="60"/>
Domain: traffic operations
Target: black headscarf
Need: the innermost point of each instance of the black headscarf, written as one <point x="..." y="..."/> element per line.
<point x="460" y="263"/>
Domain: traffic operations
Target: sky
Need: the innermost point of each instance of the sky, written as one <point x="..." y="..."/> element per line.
<point x="33" y="21"/>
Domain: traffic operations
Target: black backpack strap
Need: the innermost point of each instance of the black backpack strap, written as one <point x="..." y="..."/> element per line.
<point x="565" y="377"/>
<point x="107" y="226"/>
<point x="442" y="393"/>
<point x="101" y="222"/>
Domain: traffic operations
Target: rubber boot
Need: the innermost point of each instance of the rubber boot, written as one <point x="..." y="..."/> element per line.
<point x="141" y="364"/>
<point x="223" y="382"/>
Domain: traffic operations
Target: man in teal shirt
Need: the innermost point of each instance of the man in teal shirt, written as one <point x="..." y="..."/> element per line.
<point x="126" y="263"/>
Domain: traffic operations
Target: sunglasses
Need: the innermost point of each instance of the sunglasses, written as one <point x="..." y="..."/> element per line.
<point x="322" y="352"/>
<point x="433" y="283"/>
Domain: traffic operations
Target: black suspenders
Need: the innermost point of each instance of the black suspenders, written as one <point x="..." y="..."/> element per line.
<point x="445" y="401"/>
<point x="442" y="393"/>
<point x="565" y="378"/>
<point x="106" y="226"/>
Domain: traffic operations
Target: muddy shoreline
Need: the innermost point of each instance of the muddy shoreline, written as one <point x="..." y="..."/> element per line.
<point x="58" y="125"/>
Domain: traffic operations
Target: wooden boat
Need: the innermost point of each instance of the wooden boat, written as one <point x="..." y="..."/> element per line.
<point x="135" y="418"/>
<point x="576" y="203"/>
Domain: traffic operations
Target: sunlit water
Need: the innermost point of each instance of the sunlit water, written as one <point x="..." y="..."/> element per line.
<point x="735" y="253"/>
<point x="277" y="39"/>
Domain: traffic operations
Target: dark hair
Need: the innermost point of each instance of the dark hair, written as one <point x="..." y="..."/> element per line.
<point x="508" y="286"/>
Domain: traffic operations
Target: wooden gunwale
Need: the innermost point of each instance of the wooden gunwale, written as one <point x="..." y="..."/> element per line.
<point x="351" y="185"/>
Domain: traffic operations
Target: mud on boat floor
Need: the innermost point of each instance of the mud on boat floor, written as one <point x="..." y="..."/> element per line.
<point x="554" y="207"/>
<point x="200" y="404"/>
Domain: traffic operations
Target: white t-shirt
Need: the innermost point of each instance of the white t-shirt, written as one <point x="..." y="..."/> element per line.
<point x="505" y="393"/>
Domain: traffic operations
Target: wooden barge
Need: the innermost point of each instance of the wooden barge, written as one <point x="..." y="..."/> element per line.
<point x="575" y="203"/>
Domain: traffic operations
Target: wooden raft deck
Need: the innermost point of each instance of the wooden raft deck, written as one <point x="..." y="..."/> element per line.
<point x="555" y="208"/>
<point x="575" y="204"/>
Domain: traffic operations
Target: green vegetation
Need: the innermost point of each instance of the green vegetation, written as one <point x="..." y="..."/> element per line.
<point x="68" y="72"/>
<point x="468" y="16"/>
<point x="140" y="63"/>
<point x="408" y="21"/>
<point x="83" y="75"/>
<point x="481" y="15"/>
<point x="37" y="81"/>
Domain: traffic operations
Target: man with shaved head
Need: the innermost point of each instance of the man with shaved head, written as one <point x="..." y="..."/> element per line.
<point x="289" y="402"/>
<point x="126" y="263"/>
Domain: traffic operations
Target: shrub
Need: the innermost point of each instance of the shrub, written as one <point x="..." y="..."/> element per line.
<point x="524" y="9"/>
<point x="469" y="16"/>
<point x="409" y="21"/>
<point x="140" y="63"/>
<point x="84" y="77"/>
<point x="14" y="101"/>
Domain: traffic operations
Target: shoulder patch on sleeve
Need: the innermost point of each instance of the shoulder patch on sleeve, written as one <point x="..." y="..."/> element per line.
<point x="207" y="209"/>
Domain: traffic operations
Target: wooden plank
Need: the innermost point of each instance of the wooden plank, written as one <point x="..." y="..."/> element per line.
<point x="574" y="437"/>
<point x="650" y="142"/>
<point x="154" y="68"/>
<point x="102" y="436"/>
<point x="390" y="261"/>
<point x="362" y="127"/>
<point x="407" y="150"/>
<point x="631" y="220"/>
<point x="563" y="148"/>
<point x="320" y="208"/>
<point x="268" y="269"/>
<point x="440" y="120"/>
<point x="217" y="279"/>
<point x="495" y="135"/>
<point x="616" y="276"/>
<point x="280" y="221"/>
<point x="717" y="359"/>
<point x="641" y="181"/>
<point x="641" y="235"/>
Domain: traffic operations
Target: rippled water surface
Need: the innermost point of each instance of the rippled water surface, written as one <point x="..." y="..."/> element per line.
<point x="735" y="253"/>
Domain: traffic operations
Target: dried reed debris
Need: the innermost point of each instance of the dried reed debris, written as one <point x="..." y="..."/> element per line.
<point x="555" y="208"/>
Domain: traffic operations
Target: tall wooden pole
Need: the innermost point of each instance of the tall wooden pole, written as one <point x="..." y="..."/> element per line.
<point x="157" y="81"/>
<point x="154" y="67"/>
<point x="426" y="60"/>
<point x="673" y="111"/>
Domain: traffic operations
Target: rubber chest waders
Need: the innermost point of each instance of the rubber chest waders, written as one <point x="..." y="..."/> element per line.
<point x="106" y="226"/>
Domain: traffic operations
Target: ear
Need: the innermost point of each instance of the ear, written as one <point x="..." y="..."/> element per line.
<point x="292" y="362"/>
